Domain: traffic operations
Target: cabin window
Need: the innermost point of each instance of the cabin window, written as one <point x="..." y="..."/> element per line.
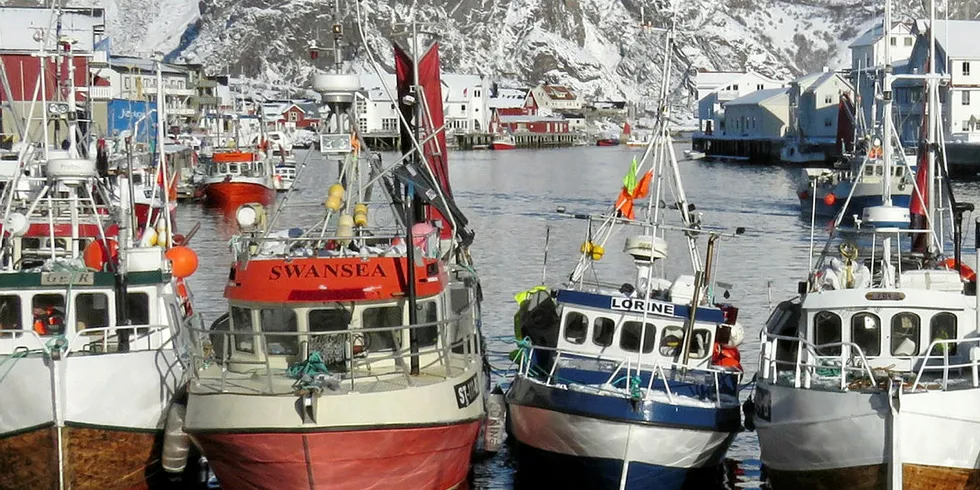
<point x="91" y="310"/>
<point x="629" y="338"/>
<point x="382" y="317"/>
<point x="233" y="168"/>
<point x="602" y="331"/>
<point x="428" y="314"/>
<point x="459" y="302"/>
<point x="222" y="168"/>
<point x="576" y="328"/>
<point x="905" y="334"/>
<point x="701" y="344"/>
<point x="48" y="311"/>
<point x="866" y="333"/>
<point x="672" y="341"/>
<point x="9" y="312"/>
<point x="241" y="321"/>
<point x="942" y="327"/>
<point x="279" y="320"/>
<point x="827" y="330"/>
<point x="869" y="170"/>
<point x="138" y="308"/>
<point x="332" y="347"/>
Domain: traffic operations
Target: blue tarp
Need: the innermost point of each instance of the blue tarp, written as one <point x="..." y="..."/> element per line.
<point x="123" y="115"/>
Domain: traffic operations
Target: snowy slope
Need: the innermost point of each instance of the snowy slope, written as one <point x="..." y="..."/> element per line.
<point x="597" y="46"/>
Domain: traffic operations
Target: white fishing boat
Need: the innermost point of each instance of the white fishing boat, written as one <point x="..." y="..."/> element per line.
<point x="631" y="381"/>
<point x="93" y="326"/>
<point x="351" y="356"/>
<point x="868" y="379"/>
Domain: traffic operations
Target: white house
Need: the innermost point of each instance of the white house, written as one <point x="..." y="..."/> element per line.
<point x="508" y="98"/>
<point x="376" y="112"/>
<point x="548" y="98"/>
<point x="762" y="114"/>
<point x="814" y="102"/>
<point x="958" y="55"/>
<point x="716" y="89"/>
<point x="131" y="78"/>
<point x="867" y="59"/>
<point x="465" y="103"/>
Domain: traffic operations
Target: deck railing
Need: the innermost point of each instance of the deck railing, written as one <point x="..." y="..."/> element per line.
<point x="849" y="369"/>
<point x="90" y="341"/>
<point x="455" y="350"/>
<point x="628" y="368"/>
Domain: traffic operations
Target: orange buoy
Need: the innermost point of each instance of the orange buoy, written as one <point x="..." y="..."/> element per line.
<point x="183" y="261"/>
<point x="96" y="255"/>
<point x="829" y="199"/>
<point x="966" y="273"/>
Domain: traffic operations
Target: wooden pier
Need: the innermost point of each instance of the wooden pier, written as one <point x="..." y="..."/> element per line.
<point x="478" y="141"/>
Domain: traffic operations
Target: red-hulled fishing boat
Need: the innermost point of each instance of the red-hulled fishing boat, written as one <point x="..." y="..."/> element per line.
<point x="236" y="177"/>
<point x="351" y="356"/>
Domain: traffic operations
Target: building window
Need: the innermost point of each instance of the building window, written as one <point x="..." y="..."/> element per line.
<point x="893" y="40"/>
<point x="828" y="100"/>
<point x="476" y="93"/>
<point x="362" y="125"/>
<point x="827" y="122"/>
<point x="293" y="116"/>
<point x="462" y="107"/>
<point x="966" y="125"/>
<point x="760" y="87"/>
<point x="735" y="87"/>
<point x="389" y="125"/>
<point x="966" y="97"/>
<point x="966" y="68"/>
<point x="908" y="41"/>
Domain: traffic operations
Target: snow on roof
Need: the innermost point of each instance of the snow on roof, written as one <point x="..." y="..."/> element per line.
<point x="813" y="80"/>
<point x="759" y="96"/>
<point x="19" y="24"/>
<point x="133" y="63"/>
<point x="508" y="98"/>
<point x="871" y="36"/>
<point x="714" y="79"/>
<point x="558" y="92"/>
<point x="529" y="119"/>
<point x="958" y="38"/>
<point x="459" y="88"/>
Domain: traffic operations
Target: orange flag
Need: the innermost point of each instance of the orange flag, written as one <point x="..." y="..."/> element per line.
<point x="624" y="203"/>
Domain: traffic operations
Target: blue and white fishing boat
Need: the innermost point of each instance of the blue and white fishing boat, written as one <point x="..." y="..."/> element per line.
<point x="631" y="383"/>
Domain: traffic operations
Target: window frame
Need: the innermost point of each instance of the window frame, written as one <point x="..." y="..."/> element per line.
<point x="854" y="328"/>
<point x="817" y="337"/>
<point x="568" y="321"/>
<point x="917" y="337"/>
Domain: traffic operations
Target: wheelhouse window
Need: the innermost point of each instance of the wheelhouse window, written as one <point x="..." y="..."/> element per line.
<point x="905" y="334"/>
<point x="9" y="312"/>
<point x="866" y="333"/>
<point x="138" y="308"/>
<point x="428" y="314"/>
<point x="241" y="321"/>
<point x="382" y="317"/>
<point x="629" y="338"/>
<point x="463" y="325"/>
<point x="602" y="331"/>
<point x="576" y="327"/>
<point x="671" y="341"/>
<point x="701" y="344"/>
<point x="942" y="326"/>
<point x="91" y="310"/>
<point x="49" y="314"/>
<point x="827" y="330"/>
<point x="279" y="320"/>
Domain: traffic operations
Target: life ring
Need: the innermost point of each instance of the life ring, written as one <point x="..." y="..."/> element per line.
<point x="965" y="271"/>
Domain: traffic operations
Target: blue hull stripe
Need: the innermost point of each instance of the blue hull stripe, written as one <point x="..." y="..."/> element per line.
<point x="544" y="469"/>
<point x="618" y="409"/>
<point x="604" y="302"/>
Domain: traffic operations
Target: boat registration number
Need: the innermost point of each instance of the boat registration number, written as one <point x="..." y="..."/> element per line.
<point x="763" y="404"/>
<point x="66" y="278"/>
<point x="466" y="392"/>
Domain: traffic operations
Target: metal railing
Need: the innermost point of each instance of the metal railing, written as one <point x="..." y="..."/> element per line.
<point x="850" y="369"/>
<point x="669" y="372"/>
<point x="95" y="340"/>
<point x="444" y="358"/>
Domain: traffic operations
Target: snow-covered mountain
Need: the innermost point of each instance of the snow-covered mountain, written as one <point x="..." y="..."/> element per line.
<point x="599" y="47"/>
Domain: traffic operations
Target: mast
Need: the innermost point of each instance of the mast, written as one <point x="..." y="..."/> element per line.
<point x="886" y="110"/>
<point x="931" y="128"/>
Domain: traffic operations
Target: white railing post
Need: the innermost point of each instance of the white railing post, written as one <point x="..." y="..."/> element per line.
<point x="799" y="358"/>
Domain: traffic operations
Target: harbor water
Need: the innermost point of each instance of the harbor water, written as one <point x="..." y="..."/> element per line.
<point x="510" y="198"/>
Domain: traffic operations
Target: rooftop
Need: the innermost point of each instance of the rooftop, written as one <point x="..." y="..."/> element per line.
<point x="19" y="24"/>
<point x="759" y="96"/>
<point x="958" y="38"/>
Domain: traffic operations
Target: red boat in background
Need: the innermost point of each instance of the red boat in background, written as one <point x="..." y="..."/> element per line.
<point x="607" y="142"/>
<point x="503" y="142"/>
<point x="237" y="177"/>
<point x="351" y="356"/>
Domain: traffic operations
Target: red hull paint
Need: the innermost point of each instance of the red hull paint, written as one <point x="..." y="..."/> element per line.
<point x="436" y="458"/>
<point x="143" y="214"/>
<point x="233" y="194"/>
<point x="503" y="146"/>
<point x="607" y="142"/>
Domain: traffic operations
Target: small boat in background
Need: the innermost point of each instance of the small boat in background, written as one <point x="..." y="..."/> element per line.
<point x="503" y="141"/>
<point x="236" y="177"/>
<point x="285" y="176"/>
<point x="632" y="140"/>
<point x="693" y="154"/>
<point x="607" y="142"/>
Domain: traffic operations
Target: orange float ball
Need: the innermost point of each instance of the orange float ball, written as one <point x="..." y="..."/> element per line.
<point x="829" y="199"/>
<point x="183" y="261"/>
<point x="96" y="253"/>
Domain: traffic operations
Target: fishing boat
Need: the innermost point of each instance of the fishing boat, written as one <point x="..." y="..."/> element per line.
<point x="607" y="142"/>
<point x="632" y="140"/>
<point x="92" y="325"/>
<point x="867" y="379"/>
<point x="351" y="356"/>
<point x="285" y="175"/>
<point x="629" y="381"/>
<point x="503" y="141"/>
<point x="237" y="176"/>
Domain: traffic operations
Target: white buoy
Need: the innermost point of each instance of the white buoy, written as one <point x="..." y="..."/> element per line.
<point x="176" y="442"/>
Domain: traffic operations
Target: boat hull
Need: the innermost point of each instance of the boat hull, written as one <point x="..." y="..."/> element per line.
<point x="813" y="439"/>
<point x="233" y="194"/>
<point x="425" y="457"/>
<point x="856" y="206"/>
<point x="607" y="142"/>
<point x="503" y="146"/>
